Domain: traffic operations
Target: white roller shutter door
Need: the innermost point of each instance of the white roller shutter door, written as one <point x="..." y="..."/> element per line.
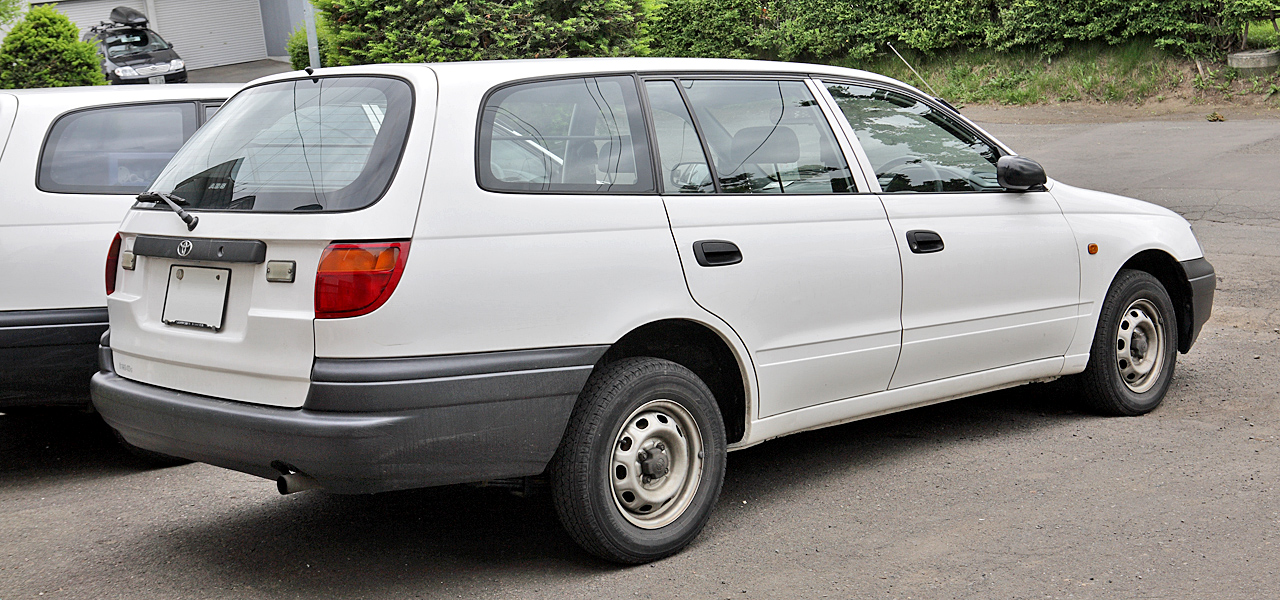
<point x="87" y="13"/>
<point x="212" y="33"/>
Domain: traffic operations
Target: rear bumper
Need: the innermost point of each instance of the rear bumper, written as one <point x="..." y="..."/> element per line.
<point x="390" y="424"/>
<point x="48" y="356"/>
<point x="1203" y="281"/>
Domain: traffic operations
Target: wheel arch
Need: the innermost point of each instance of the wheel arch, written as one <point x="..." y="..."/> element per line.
<point x="1165" y="268"/>
<point x="701" y="349"/>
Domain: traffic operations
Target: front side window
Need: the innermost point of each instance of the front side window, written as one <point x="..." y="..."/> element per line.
<point x="912" y="147"/>
<point x="300" y="145"/>
<point x="572" y="135"/>
<point x="768" y="137"/>
<point x="113" y="150"/>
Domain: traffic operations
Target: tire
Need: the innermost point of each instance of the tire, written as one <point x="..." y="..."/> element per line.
<point x="1134" y="349"/>
<point x="641" y="463"/>
<point x="152" y="459"/>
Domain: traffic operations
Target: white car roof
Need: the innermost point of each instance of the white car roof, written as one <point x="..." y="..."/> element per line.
<point x="494" y="72"/>
<point x="67" y="98"/>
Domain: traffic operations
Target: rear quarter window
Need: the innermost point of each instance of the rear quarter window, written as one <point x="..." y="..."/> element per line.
<point x="581" y="135"/>
<point x="113" y="150"/>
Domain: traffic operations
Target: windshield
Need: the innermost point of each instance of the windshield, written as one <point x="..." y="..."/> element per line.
<point x="303" y="145"/>
<point x="133" y="41"/>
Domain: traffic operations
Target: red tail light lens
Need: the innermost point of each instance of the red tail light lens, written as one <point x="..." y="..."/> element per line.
<point x="113" y="262"/>
<point x="356" y="278"/>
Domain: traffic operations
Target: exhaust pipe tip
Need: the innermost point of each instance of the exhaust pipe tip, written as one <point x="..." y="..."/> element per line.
<point x="290" y="483"/>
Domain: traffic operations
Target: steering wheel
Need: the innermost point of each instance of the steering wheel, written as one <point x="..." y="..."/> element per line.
<point x="902" y="161"/>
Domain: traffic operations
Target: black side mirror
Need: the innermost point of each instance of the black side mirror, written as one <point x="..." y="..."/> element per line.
<point x="1019" y="174"/>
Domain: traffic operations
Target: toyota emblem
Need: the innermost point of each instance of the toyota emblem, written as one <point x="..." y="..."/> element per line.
<point x="184" y="247"/>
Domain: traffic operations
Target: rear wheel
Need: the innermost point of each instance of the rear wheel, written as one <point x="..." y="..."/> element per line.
<point x="1134" y="349"/>
<point x="641" y="463"/>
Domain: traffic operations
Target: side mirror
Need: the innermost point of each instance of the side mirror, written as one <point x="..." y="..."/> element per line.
<point x="1019" y="174"/>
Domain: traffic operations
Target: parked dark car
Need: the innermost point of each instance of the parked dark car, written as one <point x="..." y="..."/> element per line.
<point x="132" y="53"/>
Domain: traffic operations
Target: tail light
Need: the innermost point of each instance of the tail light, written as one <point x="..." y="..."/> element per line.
<point x="356" y="278"/>
<point x="113" y="262"/>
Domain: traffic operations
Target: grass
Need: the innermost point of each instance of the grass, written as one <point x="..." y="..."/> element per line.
<point x="1135" y="73"/>
<point x="1263" y="35"/>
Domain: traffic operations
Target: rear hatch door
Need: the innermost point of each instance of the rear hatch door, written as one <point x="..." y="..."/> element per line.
<point x="285" y="169"/>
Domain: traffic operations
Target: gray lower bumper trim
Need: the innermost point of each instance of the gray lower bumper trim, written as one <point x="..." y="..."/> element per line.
<point x="363" y="385"/>
<point x="1203" y="281"/>
<point x="346" y="452"/>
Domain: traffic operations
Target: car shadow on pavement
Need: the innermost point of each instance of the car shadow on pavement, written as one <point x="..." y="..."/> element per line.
<point x="445" y="538"/>
<point x="59" y="442"/>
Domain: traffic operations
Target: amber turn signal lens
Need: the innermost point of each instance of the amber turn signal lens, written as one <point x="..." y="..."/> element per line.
<point x="1093" y="248"/>
<point x="352" y="258"/>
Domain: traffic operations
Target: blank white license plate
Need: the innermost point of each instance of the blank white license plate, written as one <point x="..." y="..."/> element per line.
<point x="156" y="79"/>
<point x="196" y="297"/>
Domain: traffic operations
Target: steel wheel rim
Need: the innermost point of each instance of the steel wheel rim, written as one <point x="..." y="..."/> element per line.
<point x="1140" y="346"/>
<point x="657" y="431"/>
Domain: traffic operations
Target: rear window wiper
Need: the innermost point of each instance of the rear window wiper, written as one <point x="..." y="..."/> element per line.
<point x="173" y="202"/>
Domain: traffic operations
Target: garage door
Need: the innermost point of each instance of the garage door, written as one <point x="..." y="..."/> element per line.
<point x="213" y="33"/>
<point x="87" y="13"/>
<point x="205" y="34"/>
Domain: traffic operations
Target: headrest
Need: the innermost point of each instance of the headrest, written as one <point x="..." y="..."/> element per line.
<point x="617" y="157"/>
<point x="766" y="145"/>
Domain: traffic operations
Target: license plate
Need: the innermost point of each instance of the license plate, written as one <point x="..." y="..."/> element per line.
<point x="196" y="297"/>
<point x="156" y="79"/>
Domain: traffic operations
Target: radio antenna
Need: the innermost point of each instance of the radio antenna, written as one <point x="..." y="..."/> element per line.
<point x="913" y="70"/>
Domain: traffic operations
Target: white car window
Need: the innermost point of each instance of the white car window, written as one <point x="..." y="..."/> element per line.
<point x="113" y="150"/>
<point x="572" y="135"/>
<point x="768" y="137"/>
<point x="912" y="147"/>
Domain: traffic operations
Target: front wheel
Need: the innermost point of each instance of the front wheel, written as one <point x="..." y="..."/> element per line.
<point x="641" y="463"/>
<point x="1135" y="347"/>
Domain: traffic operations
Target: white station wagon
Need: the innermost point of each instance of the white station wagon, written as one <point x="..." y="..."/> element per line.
<point x="612" y="271"/>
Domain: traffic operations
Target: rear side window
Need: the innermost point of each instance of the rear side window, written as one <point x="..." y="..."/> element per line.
<point x="115" y="150"/>
<point x="768" y="137"/>
<point x="573" y="135"/>
<point x="331" y="144"/>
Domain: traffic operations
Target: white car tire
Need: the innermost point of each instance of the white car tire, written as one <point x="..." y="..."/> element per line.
<point x="641" y="463"/>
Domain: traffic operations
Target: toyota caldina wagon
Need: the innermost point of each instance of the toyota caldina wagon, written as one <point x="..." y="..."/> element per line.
<point x="612" y="271"/>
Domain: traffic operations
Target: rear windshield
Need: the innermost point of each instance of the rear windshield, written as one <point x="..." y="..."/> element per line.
<point x="325" y="146"/>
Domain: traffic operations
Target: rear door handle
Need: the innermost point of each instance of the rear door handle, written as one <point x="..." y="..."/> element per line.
<point x="924" y="242"/>
<point x="716" y="253"/>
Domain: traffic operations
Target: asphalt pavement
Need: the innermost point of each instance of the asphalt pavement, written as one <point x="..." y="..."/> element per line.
<point x="1007" y="495"/>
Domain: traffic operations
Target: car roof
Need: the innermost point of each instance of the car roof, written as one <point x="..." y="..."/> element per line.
<point x="80" y="97"/>
<point x="494" y="72"/>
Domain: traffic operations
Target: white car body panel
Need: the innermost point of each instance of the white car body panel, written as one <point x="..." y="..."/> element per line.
<point x="1122" y="228"/>
<point x="79" y="226"/>
<point x="817" y="296"/>
<point x="1003" y="291"/>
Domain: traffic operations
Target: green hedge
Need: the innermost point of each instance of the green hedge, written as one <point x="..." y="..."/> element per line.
<point x="42" y="50"/>
<point x="839" y="30"/>
<point x="366" y="31"/>
<point x="372" y="31"/>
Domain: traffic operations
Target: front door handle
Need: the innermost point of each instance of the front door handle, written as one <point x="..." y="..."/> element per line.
<point x="716" y="253"/>
<point x="924" y="242"/>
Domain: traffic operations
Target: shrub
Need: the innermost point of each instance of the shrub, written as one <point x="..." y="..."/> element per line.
<point x="300" y="55"/>
<point x="42" y="51"/>
<point x="842" y="30"/>
<point x="372" y="31"/>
